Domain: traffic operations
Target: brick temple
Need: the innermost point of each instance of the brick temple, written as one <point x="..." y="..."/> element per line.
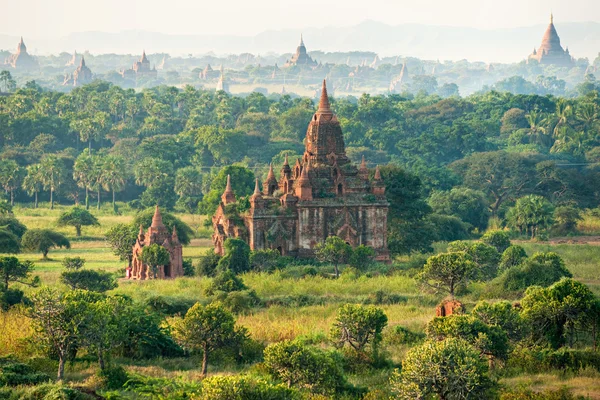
<point x="551" y="51"/>
<point x="321" y="195"/>
<point x="157" y="234"/>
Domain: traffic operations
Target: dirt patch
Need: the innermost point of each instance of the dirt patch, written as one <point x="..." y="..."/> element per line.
<point x="590" y="240"/>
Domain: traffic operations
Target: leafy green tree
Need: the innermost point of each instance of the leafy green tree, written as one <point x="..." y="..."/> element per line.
<point x="450" y="369"/>
<point x="490" y="340"/>
<point x="334" y="251"/>
<point x="485" y="257"/>
<point x="469" y="205"/>
<point x="73" y="263"/>
<point x="33" y="182"/>
<point x="447" y="271"/>
<point x="84" y="173"/>
<point x="266" y="260"/>
<point x="158" y="177"/>
<point x="208" y="263"/>
<point x="42" y="240"/>
<point x="530" y="215"/>
<point x="9" y="242"/>
<point x="299" y="365"/>
<point x="77" y="217"/>
<point x="541" y="269"/>
<point x="53" y="175"/>
<point x="558" y="312"/>
<point x="565" y="219"/>
<point x="499" y="239"/>
<point x="144" y="219"/>
<point x="10" y="178"/>
<point x="13" y="270"/>
<point x="512" y="256"/>
<point x="87" y="279"/>
<point x="243" y="387"/>
<point x="188" y="186"/>
<point x="503" y="315"/>
<point x="207" y="328"/>
<point x="57" y="320"/>
<point x="359" y="327"/>
<point x="225" y="281"/>
<point x="121" y="239"/>
<point x="237" y="256"/>
<point x="242" y="184"/>
<point x="362" y="257"/>
<point x="7" y="82"/>
<point x="155" y="256"/>
<point x="11" y="224"/>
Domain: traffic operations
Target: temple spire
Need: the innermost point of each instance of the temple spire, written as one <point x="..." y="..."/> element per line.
<point x="301" y="40"/>
<point x="256" y="189"/>
<point x="82" y="63"/>
<point x="157" y="221"/>
<point x="551" y="17"/>
<point x="271" y="174"/>
<point x="324" y="107"/>
<point x="377" y="174"/>
<point x="228" y="195"/>
<point x="286" y="162"/>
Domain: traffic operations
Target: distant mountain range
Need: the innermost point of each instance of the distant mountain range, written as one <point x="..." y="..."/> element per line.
<point x="416" y="40"/>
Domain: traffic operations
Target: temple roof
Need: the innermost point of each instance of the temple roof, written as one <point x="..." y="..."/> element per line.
<point x="157" y="221"/>
<point x="551" y="40"/>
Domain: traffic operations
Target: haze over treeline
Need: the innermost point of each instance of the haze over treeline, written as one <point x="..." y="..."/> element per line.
<point x="417" y="40"/>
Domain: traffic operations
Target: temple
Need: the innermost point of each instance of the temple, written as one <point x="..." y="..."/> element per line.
<point x="140" y="68"/>
<point x="321" y="195"/>
<point x="81" y="76"/>
<point x="21" y="59"/>
<point x="301" y="57"/>
<point x="157" y="234"/>
<point x="222" y="83"/>
<point x="550" y="51"/>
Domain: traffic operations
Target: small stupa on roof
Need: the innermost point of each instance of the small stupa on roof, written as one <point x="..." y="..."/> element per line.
<point x="551" y="51"/>
<point x="81" y="76"/>
<point x="301" y="57"/>
<point x="157" y="233"/>
<point x="21" y="59"/>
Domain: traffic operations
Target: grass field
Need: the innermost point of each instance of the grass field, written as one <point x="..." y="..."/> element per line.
<point x="274" y="322"/>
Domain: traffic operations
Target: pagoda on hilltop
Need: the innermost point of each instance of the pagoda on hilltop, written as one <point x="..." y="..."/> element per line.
<point x="157" y="234"/>
<point x="81" y="76"/>
<point x="301" y="57"/>
<point x="322" y="194"/>
<point x="550" y="51"/>
<point x="21" y="59"/>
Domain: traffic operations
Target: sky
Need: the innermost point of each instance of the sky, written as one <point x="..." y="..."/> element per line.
<point x="58" y="18"/>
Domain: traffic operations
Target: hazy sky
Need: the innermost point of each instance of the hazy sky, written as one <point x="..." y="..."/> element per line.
<point x="56" y="18"/>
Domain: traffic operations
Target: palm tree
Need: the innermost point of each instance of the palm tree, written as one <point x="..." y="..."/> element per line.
<point x="33" y="181"/>
<point x="113" y="175"/>
<point x="587" y="115"/>
<point x="82" y="173"/>
<point x="96" y="176"/>
<point x="53" y="172"/>
<point x="537" y="127"/>
<point x="10" y="177"/>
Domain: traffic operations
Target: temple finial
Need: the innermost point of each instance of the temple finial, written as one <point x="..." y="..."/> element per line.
<point x="157" y="218"/>
<point x="551" y="17"/>
<point x="377" y="174"/>
<point x="286" y="162"/>
<point x="324" y="106"/>
<point x="228" y="187"/>
<point x="256" y="188"/>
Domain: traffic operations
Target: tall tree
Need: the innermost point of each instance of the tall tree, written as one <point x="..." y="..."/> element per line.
<point x="83" y="173"/>
<point x="10" y="178"/>
<point x="113" y="175"/>
<point x="53" y="174"/>
<point x="33" y="182"/>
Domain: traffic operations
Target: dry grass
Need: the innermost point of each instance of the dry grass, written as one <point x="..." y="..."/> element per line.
<point x="14" y="329"/>
<point x="587" y="385"/>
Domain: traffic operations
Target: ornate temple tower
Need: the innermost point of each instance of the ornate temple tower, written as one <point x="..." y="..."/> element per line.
<point x="322" y="195"/>
<point x="551" y="51"/>
<point x="301" y="57"/>
<point x="81" y="76"/>
<point x="157" y="234"/>
<point x="21" y="59"/>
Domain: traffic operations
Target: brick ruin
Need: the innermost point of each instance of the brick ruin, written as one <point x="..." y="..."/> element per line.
<point x="157" y="234"/>
<point x="321" y="195"/>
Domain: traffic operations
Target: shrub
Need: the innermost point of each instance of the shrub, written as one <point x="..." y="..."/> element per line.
<point x="88" y="279"/>
<point x="14" y="373"/>
<point x="237" y="256"/>
<point x="542" y="269"/>
<point x="503" y="315"/>
<point x="382" y="297"/>
<point x="362" y="257"/>
<point x="565" y="220"/>
<point x="266" y="260"/>
<point x="188" y="267"/>
<point x="146" y="338"/>
<point x="169" y="305"/>
<point x="537" y="360"/>
<point x="207" y="264"/>
<point x="10" y="297"/>
<point x="239" y="301"/>
<point x="73" y="263"/>
<point x="401" y="335"/>
<point x="300" y="365"/>
<point x="448" y="227"/>
<point x="226" y="281"/>
<point x="528" y="394"/>
<point x="511" y="257"/>
<point x="499" y="239"/>
<point x="243" y="388"/>
<point x="53" y="391"/>
<point x="113" y="377"/>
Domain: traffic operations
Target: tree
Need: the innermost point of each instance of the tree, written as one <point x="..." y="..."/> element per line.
<point x="121" y="239"/>
<point x="77" y="217"/>
<point x="541" y="269"/>
<point x="503" y="315"/>
<point x="498" y="239"/>
<point x="42" y="240"/>
<point x="362" y="257"/>
<point x="556" y="313"/>
<point x="13" y="270"/>
<point x="9" y="242"/>
<point x="113" y="175"/>
<point x="512" y="257"/>
<point x="530" y="215"/>
<point x="10" y="178"/>
<point x="296" y="364"/>
<point x="87" y="279"/>
<point x="208" y="263"/>
<point x="469" y="205"/>
<point x="144" y="219"/>
<point x="237" y="256"/>
<point x="450" y="369"/>
<point x="12" y="225"/>
<point x="84" y="171"/>
<point x="447" y="271"/>
<point x="242" y="184"/>
<point x="7" y="81"/>
<point x="334" y="251"/>
<point x="188" y="186"/>
<point x="486" y="258"/>
<point x="57" y="319"/>
<point x="225" y="281"/>
<point x="565" y="219"/>
<point x="207" y="328"/>
<point x="155" y="256"/>
<point x="359" y="327"/>
<point x="266" y="260"/>
<point x="53" y="175"/>
<point x="33" y="182"/>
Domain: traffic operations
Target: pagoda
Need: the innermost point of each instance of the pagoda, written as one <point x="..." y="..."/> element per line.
<point x="21" y="59"/>
<point x="301" y="57"/>
<point x="140" y="68"/>
<point x="550" y="51"/>
<point x="81" y="76"/>
<point x="157" y="233"/>
<point x="322" y="194"/>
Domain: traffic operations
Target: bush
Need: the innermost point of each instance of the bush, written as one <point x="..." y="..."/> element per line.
<point x="226" y="281"/>
<point x="511" y="257"/>
<point x="499" y="239"/>
<point x="207" y="264"/>
<point x="528" y="394"/>
<point x="146" y="338"/>
<point x="381" y="297"/>
<point x="113" y="378"/>
<point x="244" y="388"/>
<point x="401" y="335"/>
<point x="362" y="257"/>
<point x="237" y="256"/>
<point x="53" y="391"/>
<point x="239" y="301"/>
<point x="13" y="225"/>
<point x="188" y="267"/>
<point x="448" y="228"/>
<point x="565" y="220"/>
<point x="14" y="373"/>
<point x="10" y="297"/>
<point x="266" y="260"/>
<point x="542" y="269"/>
<point x="538" y="360"/>
<point x="73" y="263"/>
<point x="169" y="305"/>
<point x="88" y="279"/>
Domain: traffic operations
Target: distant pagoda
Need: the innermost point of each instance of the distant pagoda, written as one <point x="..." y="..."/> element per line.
<point x="140" y="68"/>
<point x="550" y="51"/>
<point x="222" y="84"/>
<point x="301" y="57"/>
<point x="81" y="76"/>
<point x="21" y="59"/>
